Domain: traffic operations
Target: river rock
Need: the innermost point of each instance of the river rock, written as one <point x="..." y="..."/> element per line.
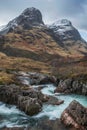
<point x="29" y="100"/>
<point x="71" y="86"/>
<point x="54" y="101"/>
<point x="75" y="116"/>
<point x="35" y="78"/>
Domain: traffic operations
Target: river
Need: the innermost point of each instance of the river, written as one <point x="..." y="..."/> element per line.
<point x="10" y="116"/>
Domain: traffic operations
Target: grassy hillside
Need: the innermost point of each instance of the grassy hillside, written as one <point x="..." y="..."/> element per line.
<point x="37" y="50"/>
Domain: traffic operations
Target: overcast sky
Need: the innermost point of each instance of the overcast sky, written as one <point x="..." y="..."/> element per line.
<point x="52" y="10"/>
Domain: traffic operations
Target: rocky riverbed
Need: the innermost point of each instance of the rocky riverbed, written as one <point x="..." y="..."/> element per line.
<point x="41" y="98"/>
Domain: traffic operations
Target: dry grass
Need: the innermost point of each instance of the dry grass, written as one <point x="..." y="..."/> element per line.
<point x="35" y="50"/>
<point x="6" y="78"/>
<point x="73" y="69"/>
<point x="24" y="64"/>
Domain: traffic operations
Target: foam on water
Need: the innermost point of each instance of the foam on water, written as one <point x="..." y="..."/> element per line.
<point x="10" y="116"/>
<point x="49" y="90"/>
<point x="55" y="111"/>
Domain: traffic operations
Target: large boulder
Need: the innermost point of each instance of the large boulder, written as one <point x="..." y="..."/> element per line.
<point x="30" y="106"/>
<point x="54" y="101"/>
<point x="35" y="78"/>
<point x="27" y="99"/>
<point x="72" y="86"/>
<point x="75" y="116"/>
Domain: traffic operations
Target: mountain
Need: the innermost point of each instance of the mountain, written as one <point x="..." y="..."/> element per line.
<point x="27" y="36"/>
<point x="1" y="27"/>
<point x="66" y="37"/>
<point x="65" y="30"/>
<point x="29" y="17"/>
<point x="27" y="44"/>
<point x="70" y="37"/>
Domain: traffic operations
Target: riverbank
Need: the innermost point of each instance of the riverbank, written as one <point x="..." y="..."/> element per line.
<point x="38" y="90"/>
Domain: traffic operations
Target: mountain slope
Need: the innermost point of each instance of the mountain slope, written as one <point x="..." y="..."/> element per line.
<point x="69" y="36"/>
<point x="65" y="30"/>
<point x="26" y="43"/>
<point x="59" y="38"/>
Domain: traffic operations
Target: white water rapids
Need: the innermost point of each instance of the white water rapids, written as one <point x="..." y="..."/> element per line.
<point x="10" y="116"/>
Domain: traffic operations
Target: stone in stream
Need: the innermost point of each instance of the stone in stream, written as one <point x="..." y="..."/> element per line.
<point x="54" y="101"/>
<point x="35" y="78"/>
<point x="72" y="86"/>
<point x="26" y="99"/>
<point x="75" y="116"/>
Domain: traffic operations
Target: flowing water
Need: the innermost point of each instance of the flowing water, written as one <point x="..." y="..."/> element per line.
<point x="10" y="116"/>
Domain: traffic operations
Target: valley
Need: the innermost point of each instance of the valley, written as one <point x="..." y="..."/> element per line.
<point x="43" y="74"/>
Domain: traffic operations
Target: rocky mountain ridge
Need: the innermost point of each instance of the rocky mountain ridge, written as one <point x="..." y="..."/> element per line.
<point x="29" y="17"/>
<point x="62" y="32"/>
<point x="65" y="30"/>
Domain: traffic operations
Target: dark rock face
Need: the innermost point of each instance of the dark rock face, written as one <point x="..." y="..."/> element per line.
<point x="75" y="115"/>
<point x="33" y="16"/>
<point x="65" y="30"/>
<point x="72" y="86"/>
<point x="26" y="99"/>
<point x="70" y="38"/>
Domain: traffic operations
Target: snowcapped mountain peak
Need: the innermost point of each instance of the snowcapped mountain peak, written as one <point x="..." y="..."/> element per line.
<point x="65" y="30"/>
<point x="61" y="26"/>
<point x="2" y="27"/>
<point x="28" y="18"/>
<point x="63" y="22"/>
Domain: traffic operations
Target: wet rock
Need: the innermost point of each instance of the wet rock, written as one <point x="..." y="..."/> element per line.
<point x="71" y="86"/>
<point x="30" y="100"/>
<point x="75" y="116"/>
<point x="31" y="106"/>
<point x="84" y="89"/>
<point x="64" y="86"/>
<point x="35" y="78"/>
<point x="54" y="101"/>
<point x="60" y="102"/>
<point x="47" y="80"/>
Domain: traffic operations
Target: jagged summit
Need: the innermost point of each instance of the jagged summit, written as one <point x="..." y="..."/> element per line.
<point x="30" y="29"/>
<point x="34" y="15"/>
<point x="63" y="22"/>
<point x="65" y="30"/>
<point x="29" y="17"/>
<point x="29" y="9"/>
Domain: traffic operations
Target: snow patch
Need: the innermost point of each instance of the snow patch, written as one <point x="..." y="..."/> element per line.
<point x="61" y="26"/>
